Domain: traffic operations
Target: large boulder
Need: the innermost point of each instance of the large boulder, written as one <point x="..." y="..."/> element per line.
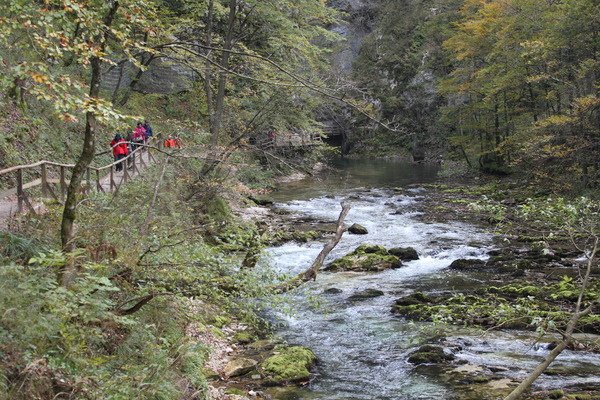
<point x="239" y="366"/>
<point x="358" y="229"/>
<point x="404" y="253"/>
<point x="415" y="305"/>
<point x="365" y="294"/>
<point x="289" y="364"/>
<point x="429" y="354"/>
<point x="366" y="258"/>
<point x="463" y="264"/>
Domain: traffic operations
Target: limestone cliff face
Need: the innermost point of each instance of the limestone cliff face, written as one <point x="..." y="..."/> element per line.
<point x="161" y="77"/>
<point x="358" y="23"/>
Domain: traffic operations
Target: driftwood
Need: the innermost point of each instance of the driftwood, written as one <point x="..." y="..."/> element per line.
<point x="313" y="270"/>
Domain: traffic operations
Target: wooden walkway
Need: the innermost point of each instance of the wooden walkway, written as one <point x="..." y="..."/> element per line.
<point x="49" y="180"/>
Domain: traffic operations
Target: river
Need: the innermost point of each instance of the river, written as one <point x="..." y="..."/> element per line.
<point x="362" y="347"/>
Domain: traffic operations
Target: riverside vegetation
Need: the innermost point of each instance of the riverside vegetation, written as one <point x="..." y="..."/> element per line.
<point x="161" y="291"/>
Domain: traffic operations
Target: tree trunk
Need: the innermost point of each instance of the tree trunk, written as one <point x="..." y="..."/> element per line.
<point x="208" y="74"/>
<point x="86" y="156"/>
<point x="313" y="270"/>
<point x="227" y="45"/>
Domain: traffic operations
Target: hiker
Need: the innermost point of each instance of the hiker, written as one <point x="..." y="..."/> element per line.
<point x="148" y="134"/>
<point x="139" y="134"/>
<point x="119" y="148"/>
<point x="178" y="142"/>
<point x="170" y="142"/>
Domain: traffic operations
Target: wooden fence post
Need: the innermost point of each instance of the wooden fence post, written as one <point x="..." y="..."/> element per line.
<point x="20" y="194"/>
<point x="63" y="184"/>
<point x="44" y="180"/>
<point x="88" y="184"/>
<point x="112" y="177"/>
<point x="99" y="187"/>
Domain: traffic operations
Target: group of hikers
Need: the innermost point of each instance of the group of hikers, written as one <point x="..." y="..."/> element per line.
<point x="122" y="147"/>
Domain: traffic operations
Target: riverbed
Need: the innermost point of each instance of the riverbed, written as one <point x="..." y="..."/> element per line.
<point x="362" y="347"/>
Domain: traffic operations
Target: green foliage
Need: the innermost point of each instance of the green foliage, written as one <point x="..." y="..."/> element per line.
<point x="73" y="335"/>
<point x="17" y="248"/>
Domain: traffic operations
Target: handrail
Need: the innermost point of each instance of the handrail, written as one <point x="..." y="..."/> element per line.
<point x="111" y="183"/>
<point x="55" y="164"/>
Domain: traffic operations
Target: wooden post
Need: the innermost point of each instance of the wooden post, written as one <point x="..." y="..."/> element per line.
<point x="99" y="187"/>
<point x="126" y="174"/>
<point x="88" y="180"/>
<point x="63" y="184"/>
<point x="113" y="186"/>
<point x="135" y="157"/>
<point x="20" y="194"/>
<point x="142" y="162"/>
<point x="44" y="180"/>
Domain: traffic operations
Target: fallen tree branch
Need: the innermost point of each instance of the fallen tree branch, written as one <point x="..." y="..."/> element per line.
<point x="311" y="273"/>
<point x="568" y="333"/>
<point x="140" y="302"/>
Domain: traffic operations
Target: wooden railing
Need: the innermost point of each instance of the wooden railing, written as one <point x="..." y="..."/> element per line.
<point x="52" y="177"/>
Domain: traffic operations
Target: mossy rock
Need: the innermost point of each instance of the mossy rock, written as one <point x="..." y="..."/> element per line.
<point x="238" y="367"/>
<point x="413" y="299"/>
<point x="463" y="264"/>
<point x="261" y="201"/>
<point x="429" y="354"/>
<point x="244" y="337"/>
<point x="210" y="374"/>
<point x="235" y="391"/>
<point x="358" y="229"/>
<point x="516" y="290"/>
<point x="404" y="253"/>
<point x="556" y="394"/>
<point x="289" y="364"/>
<point x="365" y="294"/>
<point x="366" y="258"/>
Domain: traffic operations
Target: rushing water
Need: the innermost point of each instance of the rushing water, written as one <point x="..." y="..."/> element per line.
<point x="361" y="346"/>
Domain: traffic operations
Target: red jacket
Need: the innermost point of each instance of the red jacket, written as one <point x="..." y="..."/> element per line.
<point x="119" y="147"/>
<point x="139" y="133"/>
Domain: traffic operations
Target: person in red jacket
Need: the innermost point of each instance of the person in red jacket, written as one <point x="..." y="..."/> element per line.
<point x="120" y="151"/>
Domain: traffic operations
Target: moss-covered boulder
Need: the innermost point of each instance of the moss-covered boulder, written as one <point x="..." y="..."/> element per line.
<point x="429" y="354"/>
<point x="413" y="299"/>
<point x="365" y="294"/>
<point x="244" y="337"/>
<point x="358" y="229"/>
<point x="289" y="364"/>
<point x="463" y="264"/>
<point x="239" y="366"/>
<point x="366" y="258"/>
<point x="404" y="253"/>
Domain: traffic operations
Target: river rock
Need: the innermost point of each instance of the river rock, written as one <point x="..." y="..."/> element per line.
<point x="463" y="264"/>
<point x="404" y="253"/>
<point x="429" y="354"/>
<point x="366" y="294"/>
<point x="239" y="366"/>
<point x="332" y="291"/>
<point x="261" y="201"/>
<point x="413" y="299"/>
<point x="366" y="258"/>
<point x="289" y="364"/>
<point x="358" y="229"/>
